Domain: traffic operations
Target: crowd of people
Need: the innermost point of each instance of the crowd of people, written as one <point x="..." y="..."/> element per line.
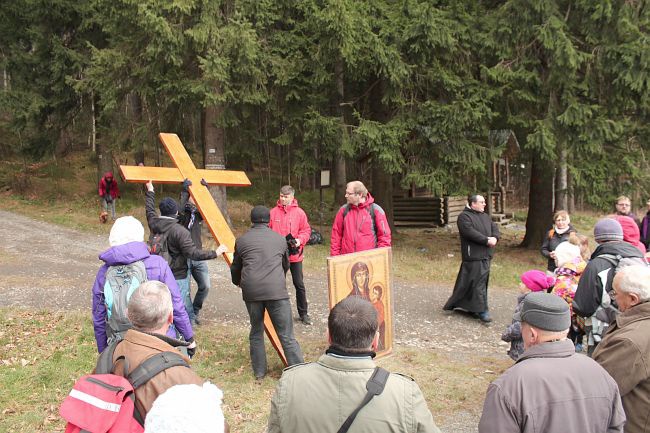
<point x="579" y="335"/>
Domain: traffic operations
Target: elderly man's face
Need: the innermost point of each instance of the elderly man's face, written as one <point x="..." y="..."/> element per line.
<point x="624" y="299"/>
<point x="623" y="206"/>
<point x="479" y="204"/>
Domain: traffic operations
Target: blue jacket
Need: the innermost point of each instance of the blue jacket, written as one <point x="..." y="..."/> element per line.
<point x="157" y="269"/>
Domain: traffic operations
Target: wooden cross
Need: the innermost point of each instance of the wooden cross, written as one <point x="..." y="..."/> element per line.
<point x="210" y="212"/>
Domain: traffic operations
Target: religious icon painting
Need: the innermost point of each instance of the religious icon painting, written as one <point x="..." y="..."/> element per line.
<point x="366" y="274"/>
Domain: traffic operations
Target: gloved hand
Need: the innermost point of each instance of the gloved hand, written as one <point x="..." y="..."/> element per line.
<point x="186" y="184"/>
<point x="204" y="183"/>
<point x="191" y="349"/>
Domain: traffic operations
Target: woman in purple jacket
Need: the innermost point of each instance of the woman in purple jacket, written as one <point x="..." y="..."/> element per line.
<point x="127" y="246"/>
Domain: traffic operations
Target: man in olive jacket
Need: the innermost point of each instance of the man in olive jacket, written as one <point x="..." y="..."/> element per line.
<point x="259" y="267"/>
<point x="319" y="396"/>
<point x="478" y="237"/>
<point x="625" y="350"/>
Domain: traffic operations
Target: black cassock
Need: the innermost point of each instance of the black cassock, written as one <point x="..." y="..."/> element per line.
<point x="470" y="290"/>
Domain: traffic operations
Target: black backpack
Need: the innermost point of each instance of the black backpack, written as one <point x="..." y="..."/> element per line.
<point x="315" y="237"/>
<point x="157" y="245"/>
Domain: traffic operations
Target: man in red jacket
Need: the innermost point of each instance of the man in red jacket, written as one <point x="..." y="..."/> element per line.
<point x="290" y="221"/>
<point x="360" y="224"/>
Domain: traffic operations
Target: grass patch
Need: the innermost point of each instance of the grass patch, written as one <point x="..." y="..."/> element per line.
<point x="42" y="353"/>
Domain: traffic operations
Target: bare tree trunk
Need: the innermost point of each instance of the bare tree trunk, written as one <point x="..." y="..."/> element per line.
<point x="340" y="179"/>
<point x="214" y="150"/>
<point x="571" y="194"/>
<point x="561" y="181"/>
<point x="382" y="181"/>
<point x="93" y="117"/>
<point x="135" y="106"/>
<point x="540" y="208"/>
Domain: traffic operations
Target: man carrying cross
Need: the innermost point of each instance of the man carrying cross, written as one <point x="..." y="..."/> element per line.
<point x="179" y="242"/>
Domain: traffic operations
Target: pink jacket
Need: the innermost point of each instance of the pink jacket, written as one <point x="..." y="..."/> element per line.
<point x="291" y="219"/>
<point x="354" y="232"/>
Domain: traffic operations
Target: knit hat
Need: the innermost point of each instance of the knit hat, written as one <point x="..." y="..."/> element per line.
<point x="126" y="229"/>
<point x="537" y="281"/>
<point x="566" y="252"/>
<point x="260" y="215"/>
<point x="168" y="207"/>
<point x="545" y="311"/>
<point x="187" y="408"/>
<point x="608" y="229"/>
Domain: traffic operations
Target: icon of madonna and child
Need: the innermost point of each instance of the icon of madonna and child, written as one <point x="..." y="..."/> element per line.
<point x="355" y="277"/>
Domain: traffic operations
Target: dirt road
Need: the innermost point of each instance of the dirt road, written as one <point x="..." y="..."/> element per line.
<point x="46" y="266"/>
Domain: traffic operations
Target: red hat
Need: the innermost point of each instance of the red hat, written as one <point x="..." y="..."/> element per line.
<point x="537" y="281"/>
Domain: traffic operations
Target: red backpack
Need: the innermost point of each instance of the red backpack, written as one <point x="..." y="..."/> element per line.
<point x="101" y="403"/>
<point x="105" y="402"/>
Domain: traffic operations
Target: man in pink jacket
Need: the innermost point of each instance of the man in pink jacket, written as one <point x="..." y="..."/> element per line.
<point x="360" y="224"/>
<point x="290" y="221"/>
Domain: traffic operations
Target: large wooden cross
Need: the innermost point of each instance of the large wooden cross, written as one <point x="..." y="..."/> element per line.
<point x="210" y="212"/>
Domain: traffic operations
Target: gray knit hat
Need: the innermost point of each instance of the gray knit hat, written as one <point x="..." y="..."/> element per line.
<point x="545" y="311"/>
<point x="608" y="229"/>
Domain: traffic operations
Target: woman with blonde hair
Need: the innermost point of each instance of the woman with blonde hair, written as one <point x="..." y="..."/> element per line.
<point x="559" y="233"/>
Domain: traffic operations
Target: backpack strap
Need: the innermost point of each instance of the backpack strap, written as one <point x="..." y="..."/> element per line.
<point x="375" y="386"/>
<point x="371" y="211"/>
<point x="105" y="363"/>
<point x="154" y="365"/>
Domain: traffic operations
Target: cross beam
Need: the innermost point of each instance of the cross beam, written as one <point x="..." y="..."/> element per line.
<point x="205" y="203"/>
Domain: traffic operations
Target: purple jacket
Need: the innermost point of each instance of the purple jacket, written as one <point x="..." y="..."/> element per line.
<point x="157" y="269"/>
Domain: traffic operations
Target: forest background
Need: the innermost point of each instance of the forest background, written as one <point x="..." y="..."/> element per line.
<point x="400" y="94"/>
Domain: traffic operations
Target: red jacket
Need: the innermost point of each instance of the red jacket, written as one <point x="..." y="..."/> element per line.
<point x="112" y="187"/>
<point x="291" y="219"/>
<point x="354" y="232"/>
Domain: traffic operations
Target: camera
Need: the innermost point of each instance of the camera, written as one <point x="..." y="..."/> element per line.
<point x="292" y="244"/>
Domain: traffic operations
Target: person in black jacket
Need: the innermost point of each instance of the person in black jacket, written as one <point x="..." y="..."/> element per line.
<point x="191" y="218"/>
<point x="259" y="267"/>
<point x="179" y="242"/>
<point x="591" y="296"/>
<point x="478" y="237"/>
<point x="559" y="233"/>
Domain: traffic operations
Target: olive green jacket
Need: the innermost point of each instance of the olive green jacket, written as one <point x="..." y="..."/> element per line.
<point x="319" y="396"/>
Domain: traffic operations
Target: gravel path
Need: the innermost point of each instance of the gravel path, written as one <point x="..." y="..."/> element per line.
<point x="47" y="266"/>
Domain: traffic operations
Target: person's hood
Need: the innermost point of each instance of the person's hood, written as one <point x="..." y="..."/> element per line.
<point x="294" y="203"/>
<point x="108" y="174"/>
<point x="125" y="254"/>
<point x="631" y="233"/>
<point x="161" y="223"/>
<point x="617" y="247"/>
<point x="369" y="200"/>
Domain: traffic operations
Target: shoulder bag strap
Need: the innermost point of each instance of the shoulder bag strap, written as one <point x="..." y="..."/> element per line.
<point x="375" y="386"/>
<point x="154" y="365"/>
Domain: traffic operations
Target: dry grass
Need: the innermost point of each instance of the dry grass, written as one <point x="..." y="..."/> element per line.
<point x="42" y="353"/>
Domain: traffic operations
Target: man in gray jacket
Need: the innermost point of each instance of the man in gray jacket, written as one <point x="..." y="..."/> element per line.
<point x="551" y="388"/>
<point x="319" y="396"/>
<point x="259" y="267"/>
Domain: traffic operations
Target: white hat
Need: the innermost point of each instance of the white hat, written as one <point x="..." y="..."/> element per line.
<point x="565" y="253"/>
<point x="187" y="408"/>
<point x="126" y="229"/>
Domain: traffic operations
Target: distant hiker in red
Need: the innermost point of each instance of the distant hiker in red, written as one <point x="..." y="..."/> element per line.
<point x="290" y="221"/>
<point x="108" y="192"/>
<point x="360" y="224"/>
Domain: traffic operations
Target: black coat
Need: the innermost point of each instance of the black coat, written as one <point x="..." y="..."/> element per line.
<point x="179" y="242"/>
<point x="474" y="228"/>
<point x="589" y="293"/>
<point x="259" y="265"/>
<point x="551" y="242"/>
<point x="186" y="211"/>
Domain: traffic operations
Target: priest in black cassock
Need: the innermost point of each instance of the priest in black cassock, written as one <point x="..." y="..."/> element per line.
<point x="478" y="237"/>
